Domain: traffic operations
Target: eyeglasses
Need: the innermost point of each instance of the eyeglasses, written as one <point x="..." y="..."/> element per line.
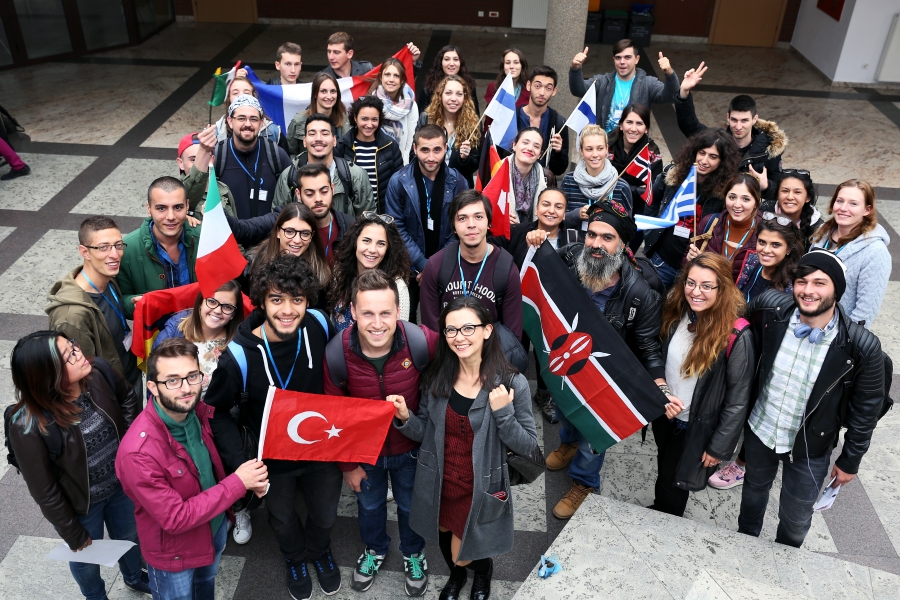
<point x="793" y="172"/>
<point x="371" y="215"/>
<point x="784" y="221"/>
<point x="290" y="233"/>
<point x="76" y="350"/>
<point x="704" y="287"/>
<point x="243" y="119"/>
<point x="213" y="304"/>
<point x="174" y="383"/>
<point x="104" y="248"/>
<point x="451" y="332"/>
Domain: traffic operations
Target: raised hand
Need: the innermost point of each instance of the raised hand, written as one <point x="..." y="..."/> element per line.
<point x="763" y="177"/>
<point x="664" y="64"/>
<point x="207" y="138"/>
<point x="556" y="142"/>
<point x="414" y="50"/>
<point x="580" y="58"/>
<point x="535" y="238"/>
<point x="691" y="78"/>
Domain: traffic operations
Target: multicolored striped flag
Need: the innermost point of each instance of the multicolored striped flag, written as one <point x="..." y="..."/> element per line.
<point x="682" y="204"/>
<point x="595" y="379"/>
<point x="219" y="258"/>
<point x="220" y="90"/>
<point x="641" y="168"/>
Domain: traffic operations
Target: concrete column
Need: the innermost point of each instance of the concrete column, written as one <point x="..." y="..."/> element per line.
<point x="566" y="22"/>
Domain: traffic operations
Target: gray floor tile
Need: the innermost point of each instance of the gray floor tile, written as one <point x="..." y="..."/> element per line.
<point x="49" y="175"/>
<point x="24" y="286"/>
<point x="124" y="191"/>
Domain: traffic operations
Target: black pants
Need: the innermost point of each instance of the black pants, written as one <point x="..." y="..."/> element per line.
<point x="320" y="484"/>
<point x="414" y="293"/>
<point x="670" y="444"/>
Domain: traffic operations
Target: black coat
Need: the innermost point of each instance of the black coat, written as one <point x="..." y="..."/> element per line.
<point x="388" y="159"/>
<point x="466" y="167"/>
<point x="718" y="411"/>
<point x="848" y="392"/>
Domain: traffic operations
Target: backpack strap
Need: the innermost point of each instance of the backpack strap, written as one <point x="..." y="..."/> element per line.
<point x="417" y="343"/>
<point x="322" y="319"/>
<point x="501" y="278"/>
<point x="343" y="172"/>
<point x="220" y="157"/>
<point x="447" y="264"/>
<point x="237" y="351"/>
<point x="337" y="362"/>
<point x="273" y="156"/>
<point x="739" y="325"/>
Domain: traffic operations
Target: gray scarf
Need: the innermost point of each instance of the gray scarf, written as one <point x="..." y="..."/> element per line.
<point x="593" y="187"/>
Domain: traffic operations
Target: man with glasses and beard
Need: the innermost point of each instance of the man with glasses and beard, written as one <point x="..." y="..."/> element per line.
<point x="819" y="372"/>
<point x="182" y="499"/>
<point x="634" y="310"/>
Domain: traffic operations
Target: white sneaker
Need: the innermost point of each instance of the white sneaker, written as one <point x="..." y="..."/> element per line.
<point x="242" y="527"/>
<point x="390" y="493"/>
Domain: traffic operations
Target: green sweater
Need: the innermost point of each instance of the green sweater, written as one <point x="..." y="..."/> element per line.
<point x="188" y="434"/>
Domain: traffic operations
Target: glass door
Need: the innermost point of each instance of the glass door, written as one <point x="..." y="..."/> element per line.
<point x="44" y="28"/>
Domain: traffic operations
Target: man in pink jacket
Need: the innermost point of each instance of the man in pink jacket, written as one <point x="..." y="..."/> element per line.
<point x="169" y="467"/>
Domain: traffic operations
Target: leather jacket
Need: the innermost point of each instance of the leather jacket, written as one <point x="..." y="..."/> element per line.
<point x="848" y="392"/>
<point x="641" y="331"/>
<point x="62" y="489"/>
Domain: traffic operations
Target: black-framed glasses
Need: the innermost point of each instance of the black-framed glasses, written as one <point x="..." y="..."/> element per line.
<point x="704" y="287"/>
<point x="783" y="221"/>
<point x="119" y="246"/>
<point x="468" y="329"/>
<point x="290" y="233"/>
<point x="73" y="355"/>
<point x="213" y="304"/>
<point x="794" y="172"/>
<point x="174" y="383"/>
<point x="371" y="215"/>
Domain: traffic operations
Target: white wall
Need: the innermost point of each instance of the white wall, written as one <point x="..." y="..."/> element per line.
<point x="820" y="38"/>
<point x="866" y="37"/>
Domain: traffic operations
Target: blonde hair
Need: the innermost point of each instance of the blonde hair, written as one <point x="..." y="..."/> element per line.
<point x="592" y="130"/>
<point x="868" y="223"/>
<point x="466" y="119"/>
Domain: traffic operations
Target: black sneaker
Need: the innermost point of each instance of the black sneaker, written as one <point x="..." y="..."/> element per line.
<point x="548" y="407"/>
<point x="327" y="573"/>
<point x="299" y="582"/>
<point x="13" y="174"/>
<point x="142" y="585"/>
<point x="416" y="569"/>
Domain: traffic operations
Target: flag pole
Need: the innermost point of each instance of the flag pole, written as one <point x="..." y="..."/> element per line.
<point x="547" y="151"/>
<point x="619" y="176"/>
<point x="694" y="220"/>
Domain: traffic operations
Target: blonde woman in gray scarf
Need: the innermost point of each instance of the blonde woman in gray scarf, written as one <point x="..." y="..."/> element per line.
<point x="594" y="175"/>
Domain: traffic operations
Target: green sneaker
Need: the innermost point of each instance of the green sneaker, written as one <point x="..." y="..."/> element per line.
<point x="416" y="569"/>
<point x="366" y="568"/>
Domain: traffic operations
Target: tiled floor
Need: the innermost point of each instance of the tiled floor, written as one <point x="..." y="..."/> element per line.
<point x="95" y="148"/>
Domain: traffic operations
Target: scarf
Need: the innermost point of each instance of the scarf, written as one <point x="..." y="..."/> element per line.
<point x="593" y="187"/>
<point x="524" y="187"/>
<point x="395" y="112"/>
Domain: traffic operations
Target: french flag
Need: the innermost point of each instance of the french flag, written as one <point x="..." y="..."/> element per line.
<point x="281" y="103"/>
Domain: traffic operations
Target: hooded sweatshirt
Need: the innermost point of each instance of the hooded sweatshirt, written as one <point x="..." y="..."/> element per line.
<point x="868" y="263"/>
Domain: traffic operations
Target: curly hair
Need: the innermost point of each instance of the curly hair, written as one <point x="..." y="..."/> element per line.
<point x="714" y="325"/>
<point x="365" y="102"/>
<point x="783" y="275"/>
<point x="436" y="73"/>
<point x="268" y="249"/>
<point x="466" y="119"/>
<point x="729" y="155"/>
<point x="868" y="222"/>
<point x="287" y="274"/>
<point x="395" y="264"/>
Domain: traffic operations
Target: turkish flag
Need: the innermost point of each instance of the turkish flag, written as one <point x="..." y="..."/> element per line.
<point x="300" y="426"/>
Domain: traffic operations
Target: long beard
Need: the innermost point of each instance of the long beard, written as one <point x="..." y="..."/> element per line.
<point x="596" y="273"/>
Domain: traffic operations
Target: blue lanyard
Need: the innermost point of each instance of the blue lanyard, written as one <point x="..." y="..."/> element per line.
<point x="328" y="241"/>
<point x="752" y="283"/>
<point x="282" y="383"/>
<point x="255" y="164"/>
<point x="112" y="304"/>
<point x="828" y="243"/>
<point x="725" y="242"/>
<point x="427" y="199"/>
<point x="463" y="277"/>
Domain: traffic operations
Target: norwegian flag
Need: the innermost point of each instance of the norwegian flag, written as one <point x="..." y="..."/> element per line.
<point x="640" y="169"/>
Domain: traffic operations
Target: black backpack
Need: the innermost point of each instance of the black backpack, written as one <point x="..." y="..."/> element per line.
<point x="337" y="360"/>
<point x="342" y="167"/>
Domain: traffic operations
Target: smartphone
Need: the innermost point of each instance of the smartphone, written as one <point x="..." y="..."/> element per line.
<point x="501" y="495"/>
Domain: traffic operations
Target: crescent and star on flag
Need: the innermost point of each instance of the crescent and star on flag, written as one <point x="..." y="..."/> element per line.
<point x="294" y="426"/>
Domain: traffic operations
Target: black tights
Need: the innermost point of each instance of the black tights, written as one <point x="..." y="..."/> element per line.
<point x="481" y="566"/>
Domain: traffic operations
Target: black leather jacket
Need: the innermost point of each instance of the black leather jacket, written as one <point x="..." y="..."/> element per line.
<point x="849" y="391"/>
<point x="641" y="331"/>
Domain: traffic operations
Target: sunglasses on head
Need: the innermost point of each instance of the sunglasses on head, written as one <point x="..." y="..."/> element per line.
<point x="784" y="221"/>
<point x="371" y="215"/>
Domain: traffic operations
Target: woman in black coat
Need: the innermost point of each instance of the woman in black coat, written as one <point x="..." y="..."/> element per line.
<point x="709" y="370"/>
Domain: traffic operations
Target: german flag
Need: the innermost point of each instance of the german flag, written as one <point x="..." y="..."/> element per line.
<point x="488" y="164"/>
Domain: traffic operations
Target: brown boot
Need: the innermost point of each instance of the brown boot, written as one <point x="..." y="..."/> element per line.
<point x="561" y="457"/>
<point x="566" y="507"/>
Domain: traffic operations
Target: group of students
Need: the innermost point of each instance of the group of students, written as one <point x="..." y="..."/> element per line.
<point x="747" y="315"/>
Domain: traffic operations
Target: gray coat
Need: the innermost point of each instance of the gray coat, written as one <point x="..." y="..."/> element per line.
<point x="489" y="528"/>
<point x="645" y="90"/>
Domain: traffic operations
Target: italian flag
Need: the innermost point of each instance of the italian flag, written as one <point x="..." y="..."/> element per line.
<point x="218" y="257"/>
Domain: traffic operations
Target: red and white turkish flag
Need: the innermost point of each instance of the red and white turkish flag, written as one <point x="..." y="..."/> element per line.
<point x="299" y="426"/>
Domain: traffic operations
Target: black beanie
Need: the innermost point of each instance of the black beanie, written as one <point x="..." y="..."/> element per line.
<point x="829" y="264"/>
<point x="614" y="214"/>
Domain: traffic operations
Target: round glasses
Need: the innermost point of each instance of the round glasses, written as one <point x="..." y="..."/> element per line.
<point x="213" y="304"/>
<point x="290" y="233"/>
<point x="73" y="355"/>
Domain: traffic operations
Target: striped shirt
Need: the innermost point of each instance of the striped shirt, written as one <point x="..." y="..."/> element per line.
<point x="365" y="158"/>
<point x="778" y="414"/>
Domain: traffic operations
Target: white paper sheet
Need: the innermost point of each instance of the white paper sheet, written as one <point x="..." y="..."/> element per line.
<point x="100" y="552"/>
<point x="828" y="496"/>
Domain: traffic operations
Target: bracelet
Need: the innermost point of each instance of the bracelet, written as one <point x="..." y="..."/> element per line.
<point x="664" y="388"/>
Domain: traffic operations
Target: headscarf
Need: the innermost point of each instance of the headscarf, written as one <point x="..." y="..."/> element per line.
<point x="245" y="100"/>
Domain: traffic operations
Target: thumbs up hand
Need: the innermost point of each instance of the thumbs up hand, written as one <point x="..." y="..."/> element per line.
<point x="664" y="64"/>
<point x="579" y="58"/>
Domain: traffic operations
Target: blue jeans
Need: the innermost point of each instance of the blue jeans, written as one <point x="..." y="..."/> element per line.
<point x="667" y="274"/>
<point x="801" y="481"/>
<point x="372" y="503"/>
<point x="585" y="467"/>
<point x="117" y="512"/>
<point x="190" y="584"/>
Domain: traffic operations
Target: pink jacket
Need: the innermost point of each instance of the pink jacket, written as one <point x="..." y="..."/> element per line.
<point x="171" y="510"/>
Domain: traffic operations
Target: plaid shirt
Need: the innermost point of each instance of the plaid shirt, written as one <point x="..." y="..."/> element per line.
<point x="779" y="411"/>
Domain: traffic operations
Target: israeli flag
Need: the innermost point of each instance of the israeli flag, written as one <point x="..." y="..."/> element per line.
<point x="585" y="113"/>
<point x="502" y="110"/>
<point x="683" y="204"/>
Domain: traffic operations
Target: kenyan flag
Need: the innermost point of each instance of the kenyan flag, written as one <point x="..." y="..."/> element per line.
<point x="595" y="379"/>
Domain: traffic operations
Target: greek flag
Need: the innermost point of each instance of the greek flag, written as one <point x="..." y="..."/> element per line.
<point x="585" y="113"/>
<point x="502" y="110"/>
<point x="683" y="204"/>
